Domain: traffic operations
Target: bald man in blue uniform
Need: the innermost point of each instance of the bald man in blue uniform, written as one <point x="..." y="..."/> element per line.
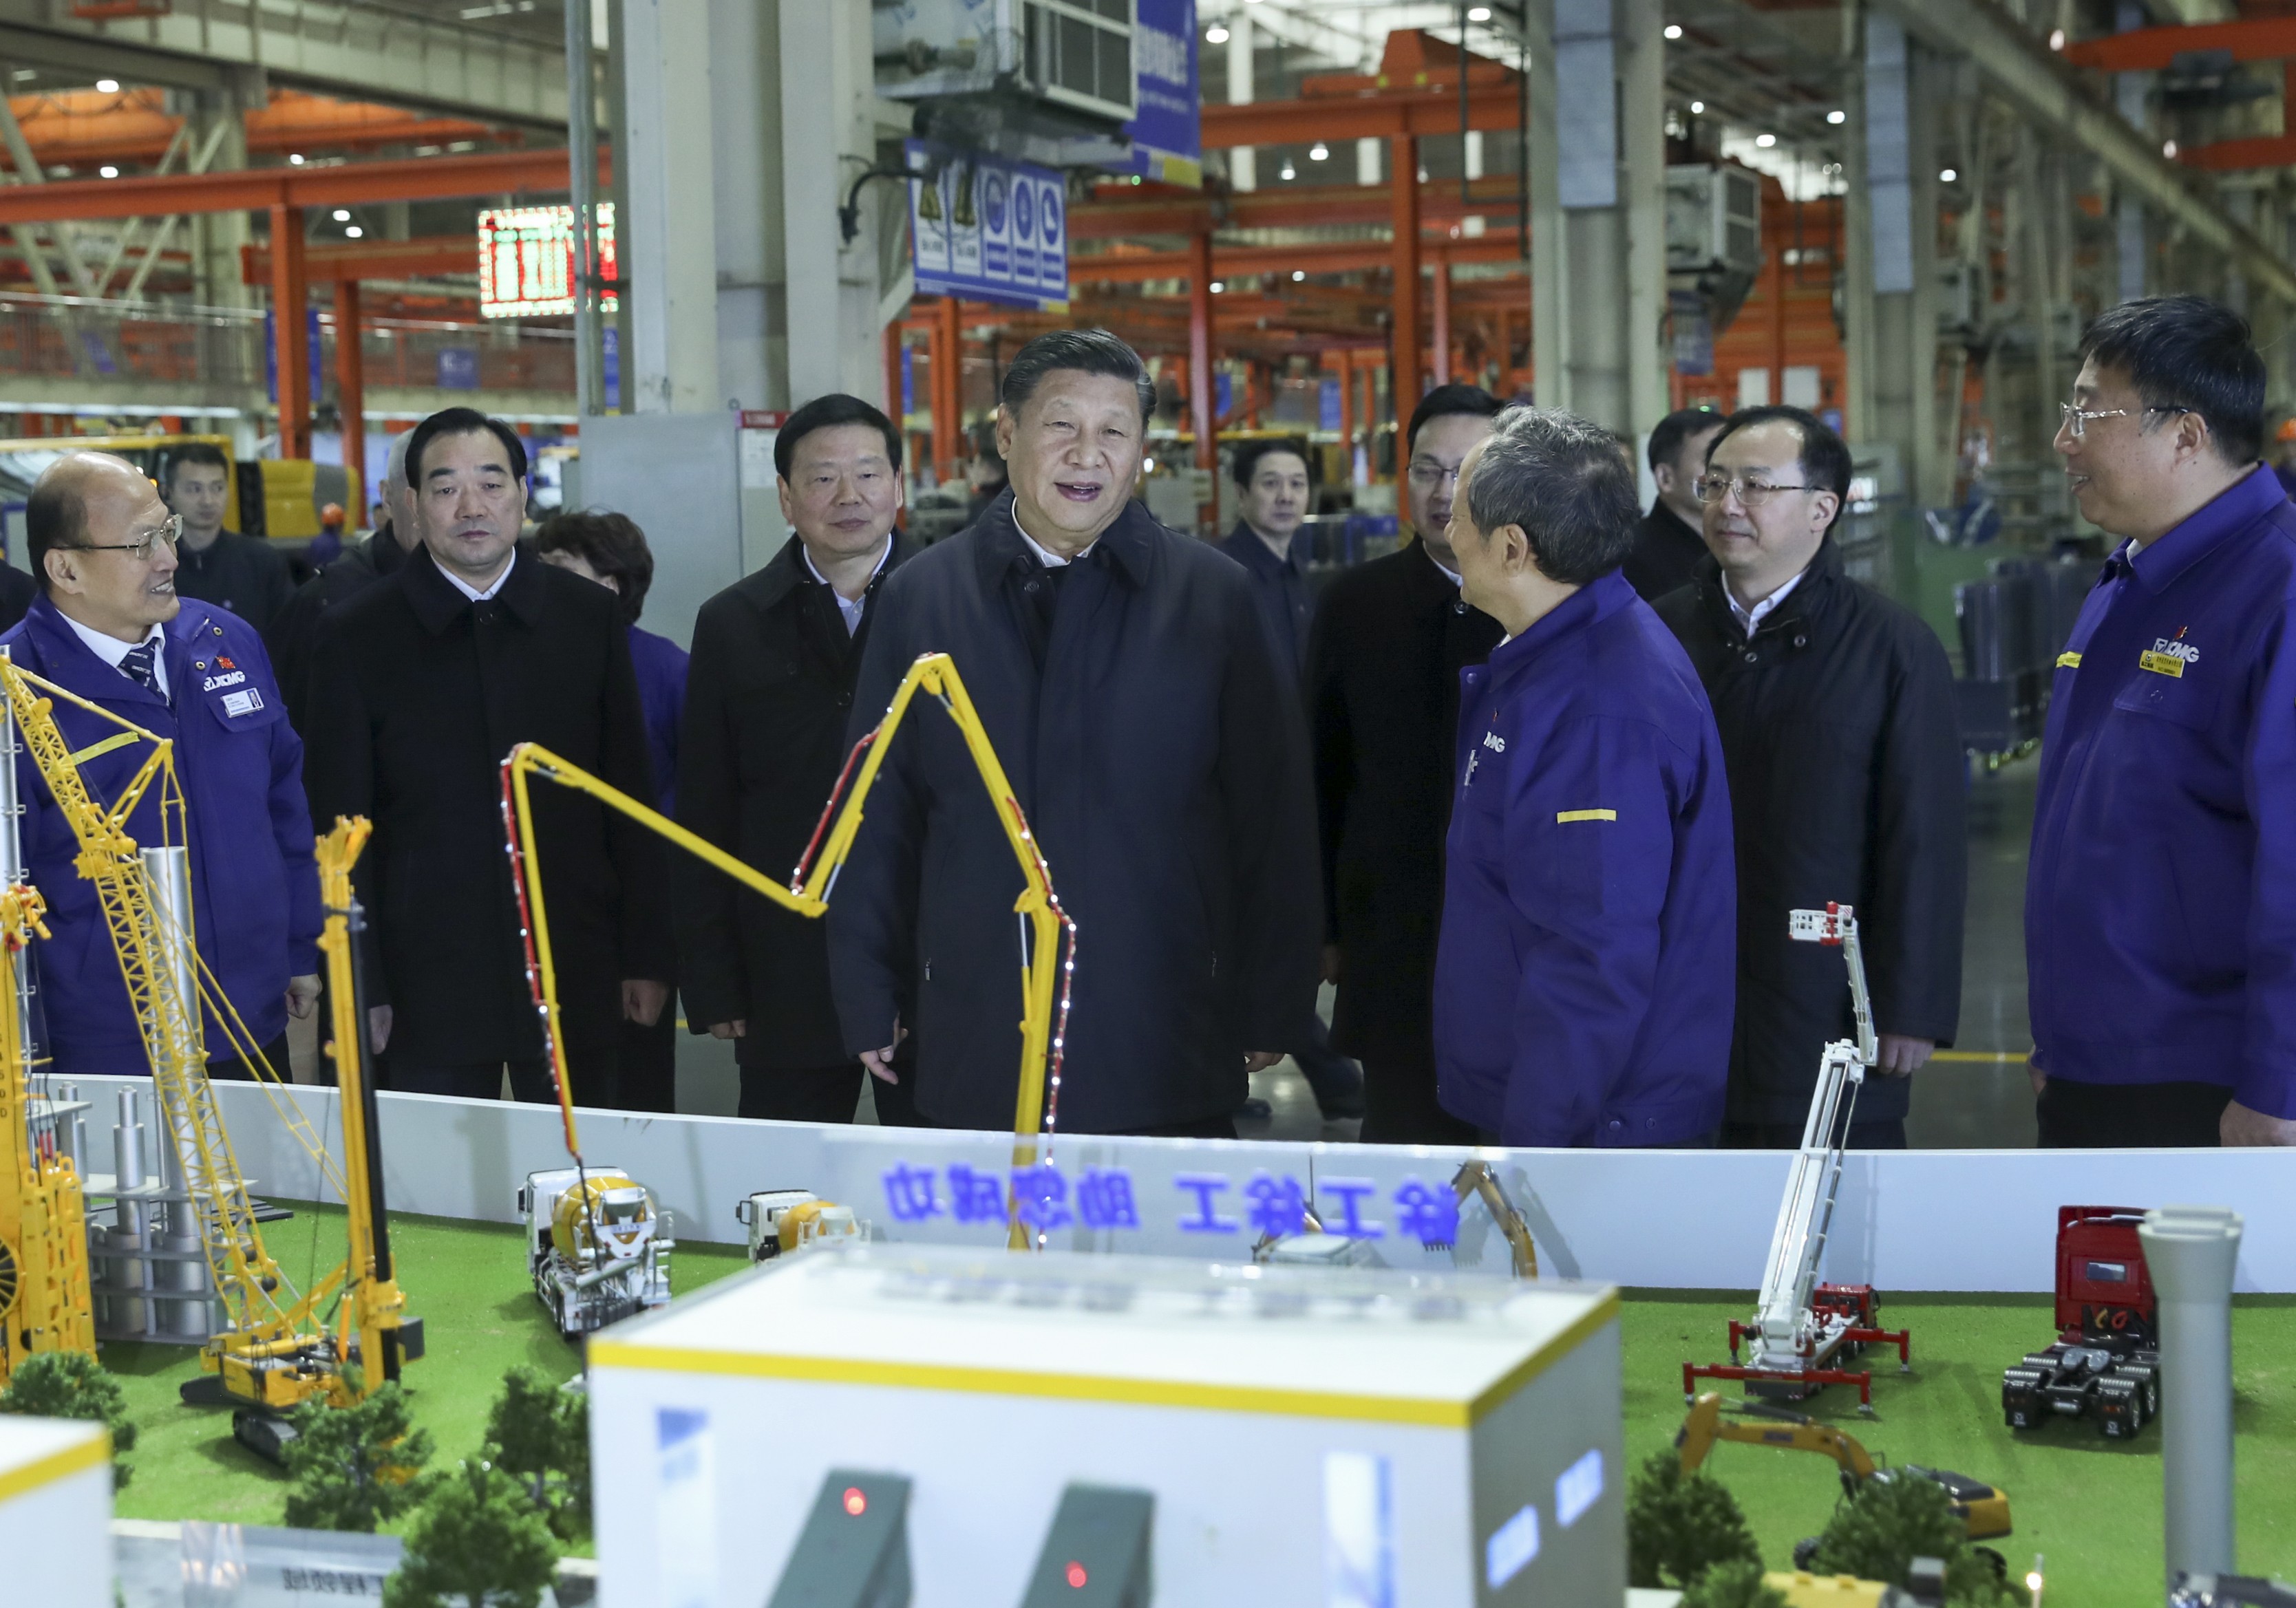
<point x="2161" y="901"/>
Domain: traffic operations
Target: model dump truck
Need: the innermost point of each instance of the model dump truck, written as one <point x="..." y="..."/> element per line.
<point x="597" y="1244"/>
<point x="2104" y="1365"/>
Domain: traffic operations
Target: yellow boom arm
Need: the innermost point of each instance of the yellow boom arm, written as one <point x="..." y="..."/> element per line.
<point x="1050" y="953"/>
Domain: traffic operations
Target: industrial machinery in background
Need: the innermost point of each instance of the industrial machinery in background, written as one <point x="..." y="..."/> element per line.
<point x="270" y="1358"/>
<point x="1803" y="1332"/>
<point x="1713" y="256"/>
<point x="782" y="1221"/>
<point x="1048" y="81"/>
<point x="1048" y="938"/>
<point x="2105" y="1365"/>
<point x="2015" y="625"/>
<point x="598" y="1245"/>
<point x="278" y="498"/>
<point x="1983" y="1508"/>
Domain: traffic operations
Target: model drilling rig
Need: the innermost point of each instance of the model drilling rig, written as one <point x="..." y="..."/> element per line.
<point x="271" y="1356"/>
<point x="1049" y="955"/>
<point x="1803" y="1331"/>
<point x="44" y="1305"/>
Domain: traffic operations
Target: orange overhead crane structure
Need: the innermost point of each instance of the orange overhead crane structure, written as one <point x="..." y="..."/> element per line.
<point x="85" y="127"/>
<point x="2247" y="40"/>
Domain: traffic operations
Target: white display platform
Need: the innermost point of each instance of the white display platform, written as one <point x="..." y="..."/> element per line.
<point x="1309" y="1438"/>
<point x="55" y="1513"/>
<point x="1907" y="1220"/>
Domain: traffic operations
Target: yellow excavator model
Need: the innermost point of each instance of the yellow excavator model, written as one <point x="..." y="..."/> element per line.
<point x="1984" y="1508"/>
<point x="1050" y="957"/>
<point x="273" y="1355"/>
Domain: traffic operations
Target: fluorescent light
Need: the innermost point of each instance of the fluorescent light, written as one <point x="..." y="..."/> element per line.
<point x="1298" y="274"/>
<point x="1480" y="13"/>
<point x="1673" y="30"/>
<point x="295" y="159"/>
<point x="1288" y="172"/>
<point x="1215" y="34"/>
<point x="1697" y="106"/>
<point x="1837" y="116"/>
<point x="1219" y="286"/>
<point x="1766" y="140"/>
<point x="1947" y="177"/>
<point x="1317" y="151"/>
<point x="109" y="171"/>
<point x="354" y="233"/>
<point x="342" y="215"/>
<point x="107" y="86"/>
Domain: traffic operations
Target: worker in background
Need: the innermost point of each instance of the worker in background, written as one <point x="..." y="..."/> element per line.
<point x="2283" y="454"/>
<point x="243" y="573"/>
<point x="1836" y="709"/>
<point x="985" y="477"/>
<point x="421" y="684"/>
<point x="328" y="544"/>
<point x="1384" y="661"/>
<point x="611" y="549"/>
<point x="294" y="630"/>
<point x="1275" y="488"/>
<point x="1583" y="985"/>
<point x="108" y="627"/>
<point x="1671" y="544"/>
<point x="1151" y="739"/>
<point x="2160" y="897"/>
<point x="775" y="658"/>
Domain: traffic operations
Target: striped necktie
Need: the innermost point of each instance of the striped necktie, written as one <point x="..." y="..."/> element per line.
<point x="140" y="664"/>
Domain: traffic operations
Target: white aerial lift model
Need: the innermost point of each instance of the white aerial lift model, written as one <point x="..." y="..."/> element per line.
<point x="1803" y="1330"/>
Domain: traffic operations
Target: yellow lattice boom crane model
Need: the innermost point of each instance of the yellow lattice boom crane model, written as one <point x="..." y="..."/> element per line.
<point x="1047" y="960"/>
<point x="278" y="1350"/>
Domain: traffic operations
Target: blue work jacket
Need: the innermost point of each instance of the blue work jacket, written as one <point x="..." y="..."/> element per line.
<point x="255" y="888"/>
<point x="1584" y="980"/>
<point x="2160" y="901"/>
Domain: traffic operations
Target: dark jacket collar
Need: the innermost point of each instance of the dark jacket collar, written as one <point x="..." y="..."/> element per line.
<point x="1243" y="544"/>
<point x="1809" y="595"/>
<point x="438" y="602"/>
<point x="1663" y="518"/>
<point x="787" y="570"/>
<point x="1129" y="542"/>
<point x="384" y="553"/>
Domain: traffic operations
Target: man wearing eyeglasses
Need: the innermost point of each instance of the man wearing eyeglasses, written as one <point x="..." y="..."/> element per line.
<point x="1836" y="710"/>
<point x="108" y="627"/>
<point x="2161" y="896"/>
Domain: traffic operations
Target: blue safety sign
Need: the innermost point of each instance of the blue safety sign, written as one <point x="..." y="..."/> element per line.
<point x="987" y="230"/>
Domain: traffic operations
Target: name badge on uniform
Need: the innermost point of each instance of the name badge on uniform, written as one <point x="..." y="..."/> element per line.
<point x="2169" y="656"/>
<point x="242" y="702"/>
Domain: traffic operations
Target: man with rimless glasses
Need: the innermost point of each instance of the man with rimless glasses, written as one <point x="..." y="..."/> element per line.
<point x="108" y="627"/>
<point x="1836" y="711"/>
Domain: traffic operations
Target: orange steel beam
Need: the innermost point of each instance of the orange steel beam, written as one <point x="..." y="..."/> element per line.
<point x="1245" y="262"/>
<point x="1199" y="351"/>
<point x="291" y="350"/>
<point x="254" y="189"/>
<point x="1441" y="335"/>
<point x="2155" y="49"/>
<point x="1293" y="207"/>
<point x="351" y="391"/>
<point x="132" y="126"/>
<point x="948" y="389"/>
<point x="432" y="255"/>
<point x="2230" y="156"/>
<point x="1403" y="367"/>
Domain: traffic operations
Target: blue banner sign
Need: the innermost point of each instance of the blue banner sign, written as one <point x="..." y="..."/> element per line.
<point x="987" y="230"/>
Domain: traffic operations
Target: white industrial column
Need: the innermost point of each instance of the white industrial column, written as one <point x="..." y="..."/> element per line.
<point x="1242" y="163"/>
<point x="746" y="114"/>
<point x="1891" y="294"/>
<point x="670" y="233"/>
<point x="217" y="236"/>
<point x="827" y="139"/>
<point x="2129" y="93"/>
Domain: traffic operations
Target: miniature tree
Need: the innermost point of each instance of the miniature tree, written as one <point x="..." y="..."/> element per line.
<point x="355" y="1466"/>
<point x="541" y="1435"/>
<point x="1877" y="1534"/>
<point x="1679" y="1526"/>
<point x="476" y="1542"/>
<point x="72" y="1384"/>
<point x="1738" y="1583"/>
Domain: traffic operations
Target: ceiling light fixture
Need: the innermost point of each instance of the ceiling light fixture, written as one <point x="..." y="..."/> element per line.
<point x="1318" y="152"/>
<point x="1766" y="140"/>
<point x="1837" y="116"/>
<point x="1298" y="274"/>
<point x="2056" y="38"/>
<point x="2168" y="150"/>
<point x="1219" y="286"/>
<point x="1214" y="35"/>
<point x="354" y="233"/>
<point x="1673" y="30"/>
<point x="1697" y="107"/>
<point x="1290" y="172"/>
<point x="107" y="86"/>
<point x="108" y="171"/>
<point x="342" y="215"/>
<point x="295" y="159"/>
<point x="1948" y="175"/>
<point x="1480" y="14"/>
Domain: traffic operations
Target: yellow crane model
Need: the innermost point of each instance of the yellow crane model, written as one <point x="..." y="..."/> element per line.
<point x="272" y="1355"/>
<point x="1049" y="955"/>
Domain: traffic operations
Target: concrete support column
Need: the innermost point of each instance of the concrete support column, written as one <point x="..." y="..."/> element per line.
<point x="1895" y="386"/>
<point x="1550" y="332"/>
<point x="1243" y="167"/>
<point x="827" y="137"/>
<point x="216" y="237"/>
<point x="747" y="192"/>
<point x="671" y="289"/>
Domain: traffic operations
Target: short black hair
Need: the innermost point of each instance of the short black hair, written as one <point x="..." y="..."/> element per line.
<point x="206" y="453"/>
<point x="1446" y="399"/>
<point x="1825" y="456"/>
<point x="826" y="413"/>
<point x="1563" y="480"/>
<point x="1248" y="455"/>
<point x="1089" y="351"/>
<point x="55" y="516"/>
<point x="461" y="421"/>
<point x="611" y="544"/>
<point x="2191" y="355"/>
<point x="1668" y="435"/>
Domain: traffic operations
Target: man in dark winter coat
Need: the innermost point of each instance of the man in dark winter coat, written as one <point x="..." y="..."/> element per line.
<point x="1836" y="711"/>
<point x="243" y="573"/>
<point x="294" y="631"/>
<point x="1671" y="543"/>
<point x="1391" y="639"/>
<point x="768" y="694"/>
<point x="1150" y="735"/>
<point x="423" y="683"/>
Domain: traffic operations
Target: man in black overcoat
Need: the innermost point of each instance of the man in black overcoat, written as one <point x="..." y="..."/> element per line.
<point x="1671" y="544"/>
<point x="1383" y="664"/>
<point x="1153" y="742"/>
<point x="767" y="697"/>
<point x="1836" y="710"/>
<point x="421" y="685"/>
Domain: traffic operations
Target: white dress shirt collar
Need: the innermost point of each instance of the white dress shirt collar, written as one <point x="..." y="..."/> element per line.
<point x="851" y="608"/>
<point x="1749" y="620"/>
<point x="111" y="649"/>
<point x="1450" y="574"/>
<point x="473" y="593"/>
<point x="1044" y="555"/>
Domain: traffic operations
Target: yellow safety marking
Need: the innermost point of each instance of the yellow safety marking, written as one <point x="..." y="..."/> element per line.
<point x="1997" y="1057"/>
<point x="2161" y="663"/>
<point x="117" y="739"/>
<point x="2069" y="661"/>
<point x="1564" y="818"/>
<point x="1137" y="1393"/>
<point x="55" y="1466"/>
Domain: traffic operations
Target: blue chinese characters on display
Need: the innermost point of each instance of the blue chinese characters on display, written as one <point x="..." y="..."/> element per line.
<point x="1101" y="1198"/>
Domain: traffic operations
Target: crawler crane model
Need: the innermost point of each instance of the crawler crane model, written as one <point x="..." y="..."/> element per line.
<point x="1803" y="1331"/>
<point x="1048" y="946"/>
<point x="272" y="1355"/>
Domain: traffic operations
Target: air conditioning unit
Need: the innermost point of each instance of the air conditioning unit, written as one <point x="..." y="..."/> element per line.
<point x="1076" y="55"/>
<point x="1713" y="219"/>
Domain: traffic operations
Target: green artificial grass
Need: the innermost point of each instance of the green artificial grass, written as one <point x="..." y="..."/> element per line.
<point x="2092" y="1506"/>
